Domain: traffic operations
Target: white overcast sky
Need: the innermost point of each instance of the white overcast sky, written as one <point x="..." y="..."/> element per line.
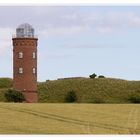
<point x="76" y="40"/>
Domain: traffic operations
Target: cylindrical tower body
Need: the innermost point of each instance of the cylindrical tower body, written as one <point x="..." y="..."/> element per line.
<point x="25" y="62"/>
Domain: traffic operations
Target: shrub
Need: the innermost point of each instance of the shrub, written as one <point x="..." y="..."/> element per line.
<point x="14" y="96"/>
<point x="92" y="75"/>
<point x="97" y="100"/>
<point x="134" y="98"/>
<point x="101" y="76"/>
<point x="71" y="97"/>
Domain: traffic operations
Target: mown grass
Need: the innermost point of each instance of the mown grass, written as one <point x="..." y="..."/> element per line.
<point x="54" y="118"/>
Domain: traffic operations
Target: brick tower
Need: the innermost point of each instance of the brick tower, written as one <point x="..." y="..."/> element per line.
<point x="25" y="62"/>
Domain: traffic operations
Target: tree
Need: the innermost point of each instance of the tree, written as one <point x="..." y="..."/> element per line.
<point x="71" y="97"/>
<point x="101" y="76"/>
<point x="92" y="76"/>
<point x="134" y="98"/>
<point x="14" y="96"/>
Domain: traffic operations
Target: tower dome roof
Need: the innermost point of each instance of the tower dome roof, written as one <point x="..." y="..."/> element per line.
<point x="25" y="30"/>
<point x="25" y="25"/>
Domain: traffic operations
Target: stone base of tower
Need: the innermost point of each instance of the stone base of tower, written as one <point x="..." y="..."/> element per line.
<point x="31" y="97"/>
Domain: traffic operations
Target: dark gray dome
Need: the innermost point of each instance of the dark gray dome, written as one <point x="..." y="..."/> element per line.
<point x="25" y="30"/>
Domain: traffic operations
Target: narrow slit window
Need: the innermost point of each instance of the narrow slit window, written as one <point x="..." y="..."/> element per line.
<point x="34" y="70"/>
<point x="20" y="55"/>
<point x="20" y="70"/>
<point x="34" y="55"/>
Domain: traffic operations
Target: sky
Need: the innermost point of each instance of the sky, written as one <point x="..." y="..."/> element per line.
<point x="76" y="41"/>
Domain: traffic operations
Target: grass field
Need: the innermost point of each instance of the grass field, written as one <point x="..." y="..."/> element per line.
<point x="47" y="118"/>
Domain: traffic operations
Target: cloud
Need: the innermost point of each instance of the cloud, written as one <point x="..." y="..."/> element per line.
<point x="64" y="21"/>
<point x="71" y="22"/>
<point x="60" y="56"/>
<point x="124" y="19"/>
<point x="116" y="21"/>
<point x="68" y="20"/>
<point x="62" y="31"/>
<point x="53" y="55"/>
<point x="104" y="30"/>
<point x="5" y="40"/>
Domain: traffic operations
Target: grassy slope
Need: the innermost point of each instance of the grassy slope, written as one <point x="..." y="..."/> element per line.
<point x="4" y="84"/>
<point x="89" y="90"/>
<point x="69" y="118"/>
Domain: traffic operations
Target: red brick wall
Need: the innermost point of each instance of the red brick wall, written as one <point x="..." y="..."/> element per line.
<point x="31" y="97"/>
<point x="27" y="81"/>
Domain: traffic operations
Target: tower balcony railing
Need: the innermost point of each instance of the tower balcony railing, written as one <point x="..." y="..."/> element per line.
<point x="24" y="36"/>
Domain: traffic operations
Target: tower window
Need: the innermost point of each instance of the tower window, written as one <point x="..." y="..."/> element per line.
<point x="20" y="70"/>
<point x="20" y="55"/>
<point x="34" y="55"/>
<point x="34" y="70"/>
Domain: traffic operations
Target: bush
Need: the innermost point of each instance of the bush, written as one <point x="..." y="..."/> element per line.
<point x="101" y="76"/>
<point x="134" y="98"/>
<point x="97" y="100"/>
<point x="71" y="97"/>
<point x="14" y="96"/>
<point x="92" y="75"/>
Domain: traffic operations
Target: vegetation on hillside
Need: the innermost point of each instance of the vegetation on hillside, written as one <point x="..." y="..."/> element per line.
<point x="88" y="90"/>
<point x="98" y="90"/>
<point x="6" y="82"/>
<point x="101" y="76"/>
<point x="14" y="96"/>
<point x="92" y="76"/>
<point x="71" y="97"/>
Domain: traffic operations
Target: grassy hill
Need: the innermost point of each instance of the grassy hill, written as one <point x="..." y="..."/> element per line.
<point x="104" y="90"/>
<point x="99" y="90"/>
<point x="55" y="118"/>
<point x="5" y="83"/>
